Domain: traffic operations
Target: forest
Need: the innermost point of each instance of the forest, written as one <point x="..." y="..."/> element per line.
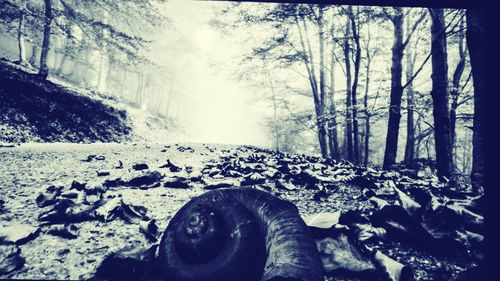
<point x="337" y="108"/>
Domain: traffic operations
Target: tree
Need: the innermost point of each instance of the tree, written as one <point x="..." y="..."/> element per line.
<point x="348" y="96"/>
<point x="456" y="85"/>
<point x="369" y="57"/>
<point x="410" y="58"/>
<point x="476" y="43"/>
<point x="398" y="48"/>
<point x="442" y="135"/>
<point x="332" y="124"/>
<point x="319" y="94"/>
<point x="391" y="146"/>
<point x="20" y="37"/>
<point x="355" y="128"/>
<point x="44" y="68"/>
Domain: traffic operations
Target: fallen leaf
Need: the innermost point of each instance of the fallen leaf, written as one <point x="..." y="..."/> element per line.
<point x="10" y="259"/>
<point x="18" y="233"/>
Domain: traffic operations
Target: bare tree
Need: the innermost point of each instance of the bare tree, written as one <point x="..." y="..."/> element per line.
<point x="44" y="68"/>
<point x="442" y="135"/>
<point x="398" y="47"/>
<point x="476" y="45"/>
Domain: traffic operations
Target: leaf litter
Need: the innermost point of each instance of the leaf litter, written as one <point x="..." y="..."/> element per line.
<point x="364" y="220"/>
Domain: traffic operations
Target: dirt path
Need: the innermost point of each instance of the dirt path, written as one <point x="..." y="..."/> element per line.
<point x="27" y="170"/>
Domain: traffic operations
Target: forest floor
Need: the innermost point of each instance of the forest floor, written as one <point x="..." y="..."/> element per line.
<point x="27" y="171"/>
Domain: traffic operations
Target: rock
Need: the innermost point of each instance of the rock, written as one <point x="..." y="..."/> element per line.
<point x="18" y="233"/>
<point x="10" y="259"/>
<point x="140" y="166"/>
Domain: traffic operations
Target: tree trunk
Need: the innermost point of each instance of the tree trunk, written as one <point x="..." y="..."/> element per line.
<point x="391" y="144"/>
<point x="140" y="88"/>
<point x="476" y="45"/>
<point x="366" y="149"/>
<point x="103" y="61"/>
<point x="410" y="123"/>
<point x="20" y="39"/>
<point x="357" y="61"/>
<point x="348" y="97"/>
<point x="309" y="63"/>
<point x="62" y="64"/>
<point x="322" y="132"/>
<point x="33" y="57"/>
<point x="333" y="137"/>
<point x="455" y="91"/>
<point x="44" y="68"/>
<point x="442" y="137"/>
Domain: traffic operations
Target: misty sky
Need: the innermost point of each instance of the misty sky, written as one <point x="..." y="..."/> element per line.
<point x="219" y="108"/>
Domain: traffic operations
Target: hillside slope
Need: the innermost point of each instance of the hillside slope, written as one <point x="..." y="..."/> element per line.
<point x="32" y="110"/>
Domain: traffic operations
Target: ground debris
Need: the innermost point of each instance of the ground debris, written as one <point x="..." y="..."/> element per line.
<point x="17" y="233"/>
<point x="10" y="259"/>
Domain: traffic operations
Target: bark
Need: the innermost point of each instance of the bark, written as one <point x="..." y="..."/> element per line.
<point x="44" y="68"/>
<point x="308" y="62"/>
<point x="357" y="61"/>
<point x="332" y="130"/>
<point x="20" y="39"/>
<point x="33" y="57"/>
<point x="275" y="113"/>
<point x="442" y="136"/>
<point x="103" y="62"/>
<point x="391" y="145"/>
<point x="476" y="44"/>
<point x="140" y="89"/>
<point x="409" y="158"/>
<point x="322" y="132"/>
<point x="366" y="149"/>
<point x="455" y="91"/>
<point x="348" y="97"/>
<point x="275" y="119"/>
